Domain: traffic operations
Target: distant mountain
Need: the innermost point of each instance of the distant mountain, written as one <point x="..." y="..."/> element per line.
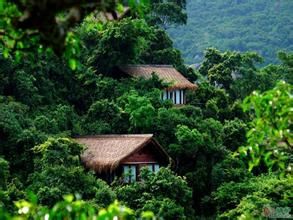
<point x="264" y="26"/>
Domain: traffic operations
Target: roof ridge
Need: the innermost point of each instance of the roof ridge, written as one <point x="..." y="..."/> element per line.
<point x="167" y="73"/>
<point x="116" y="135"/>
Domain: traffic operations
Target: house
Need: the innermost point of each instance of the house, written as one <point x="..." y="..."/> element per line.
<point x="123" y="156"/>
<point x="176" y="92"/>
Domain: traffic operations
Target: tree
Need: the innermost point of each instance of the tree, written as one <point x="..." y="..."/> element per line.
<point x="10" y="188"/>
<point x="276" y="72"/>
<point x="234" y="26"/>
<point x="4" y="174"/>
<point x="55" y="175"/>
<point x="141" y="112"/>
<point x="130" y="41"/>
<point x="166" y="124"/>
<point x="160" y="50"/>
<point x="189" y="142"/>
<point x="49" y="22"/>
<point x="234" y="133"/>
<point x="269" y="141"/>
<point x="223" y="69"/>
<point x="249" y="198"/>
<point x="103" y="117"/>
<point x="71" y="208"/>
<point x="117" y="44"/>
<point x="164" y="193"/>
<point x="166" y="13"/>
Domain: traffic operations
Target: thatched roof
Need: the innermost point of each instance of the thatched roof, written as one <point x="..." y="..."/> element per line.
<point x="167" y="73"/>
<point x="105" y="152"/>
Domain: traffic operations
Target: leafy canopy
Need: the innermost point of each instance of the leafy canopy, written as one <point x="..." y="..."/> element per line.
<point x="269" y="141"/>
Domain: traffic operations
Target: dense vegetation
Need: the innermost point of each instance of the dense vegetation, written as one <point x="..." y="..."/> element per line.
<point x="261" y="25"/>
<point x="219" y="171"/>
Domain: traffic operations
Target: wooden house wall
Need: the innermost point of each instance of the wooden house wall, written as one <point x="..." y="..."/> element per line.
<point x="148" y="154"/>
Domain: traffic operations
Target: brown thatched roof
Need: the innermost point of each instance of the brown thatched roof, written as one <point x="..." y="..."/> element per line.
<point x="167" y="73"/>
<point x="105" y="152"/>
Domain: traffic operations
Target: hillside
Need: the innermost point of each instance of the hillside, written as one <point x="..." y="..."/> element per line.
<point x="265" y="26"/>
<point x="94" y="113"/>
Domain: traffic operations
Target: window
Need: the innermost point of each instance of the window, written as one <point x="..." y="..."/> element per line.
<point x="182" y="94"/>
<point x="165" y="95"/>
<point x="126" y="174"/>
<point x="156" y="168"/>
<point x="153" y="167"/>
<point x="171" y="95"/>
<point x="129" y="173"/>
<point x="150" y="167"/>
<point x="176" y="96"/>
<point x="178" y="100"/>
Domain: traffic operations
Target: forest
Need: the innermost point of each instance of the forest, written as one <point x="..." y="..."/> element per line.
<point x="231" y="143"/>
<point x="262" y="26"/>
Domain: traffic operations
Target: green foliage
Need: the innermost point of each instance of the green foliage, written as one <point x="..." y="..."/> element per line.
<point x="222" y="69"/>
<point x="102" y="117"/>
<point x="250" y="197"/>
<point x="71" y="209"/>
<point x="189" y="141"/>
<point x="260" y="26"/>
<point x="164" y="193"/>
<point x="229" y="169"/>
<point x="160" y="50"/>
<point x="13" y="121"/>
<point x="141" y="43"/>
<point x="4" y="173"/>
<point x="213" y="102"/>
<point x="269" y="141"/>
<point x="234" y="133"/>
<point x="56" y="171"/>
<point x="115" y="40"/>
<point x="66" y="118"/>
<point x="42" y="101"/>
<point x="141" y="111"/>
<point x="59" y="151"/>
<point x="20" y="32"/>
<point x="197" y="136"/>
<point x="166" y="124"/>
<point x="10" y="123"/>
<point x="166" y="208"/>
<point x="283" y="71"/>
<point x="166" y="13"/>
<point x="10" y="190"/>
